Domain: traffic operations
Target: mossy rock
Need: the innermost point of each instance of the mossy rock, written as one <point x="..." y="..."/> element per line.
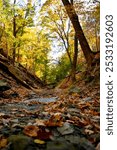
<point x="19" y="142"/>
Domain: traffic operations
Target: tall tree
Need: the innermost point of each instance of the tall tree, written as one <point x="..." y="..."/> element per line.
<point x="75" y="56"/>
<point x="14" y="31"/>
<point x="90" y="24"/>
<point x="55" y="14"/>
<point x="79" y="32"/>
<point x="16" y="17"/>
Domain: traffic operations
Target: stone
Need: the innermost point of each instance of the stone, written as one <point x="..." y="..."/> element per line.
<point x="72" y="138"/>
<point x="60" y="145"/>
<point x="5" y="130"/>
<point x="32" y="95"/>
<point x="42" y="100"/>
<point x="98" y="146"/>
<point x="20" y="142"/>
<point x="87" y="99"/>
<point x="14" y="95"/>
<point x="65" y="129"/>
<point x="74" y="89"/>
<point x="4" y="85"/>
<point x="80" y="143"/>
<point x="73" y="110"/>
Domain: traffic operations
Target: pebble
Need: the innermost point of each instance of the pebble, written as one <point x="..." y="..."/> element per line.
<point x="65" y="129"/>
<point x="87" y="99"/>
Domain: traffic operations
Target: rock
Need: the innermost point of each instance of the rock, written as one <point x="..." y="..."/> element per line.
<point x="66" y="129"/>
<point x="42" y="100"/>
<point x="14" y="95"/>
<point x="5" y="130"/>
<point x="47" y="100"/>
<point x="98" y="146"/>
<point x="60" y="145"/>
<point x="32" y="95"/>
<point x="72" y="138"/>
<point x="15" y="120"/>
<point x="74" y="89"/>
<point x="79" y="131"/>
<point x="87" y="99"/>
<point x="55" y="133"/>
<point x="80" y="143"/>
<point x="73" y="110"/>
<point x="4" y="85"/>
<point x="21" y="142"/>
<point x="85" y="146"/>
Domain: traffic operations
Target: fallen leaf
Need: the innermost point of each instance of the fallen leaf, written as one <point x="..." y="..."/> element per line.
<point x="39" y="141"/>
<point x="40" y="122"/>
<point x="44" y="134"/>
<point x="55" y="120"/>
<point x="2" y="114"/>
<point x="31" y="131"/>
<point x="3" y="142"/>
<point x="87" y="131"/>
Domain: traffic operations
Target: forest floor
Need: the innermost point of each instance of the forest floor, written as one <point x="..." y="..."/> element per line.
<point x="37" y="117"/>
<point x="50" y="119"/>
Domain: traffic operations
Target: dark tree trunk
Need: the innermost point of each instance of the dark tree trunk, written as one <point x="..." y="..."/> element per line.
<point x="79" y="32"/>
<point x="73" y="70"/>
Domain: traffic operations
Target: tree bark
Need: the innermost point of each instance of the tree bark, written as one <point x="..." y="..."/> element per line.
<point x="73" y="70"/>
<point x="79" y="32"/>
<point x="14" y="34"/>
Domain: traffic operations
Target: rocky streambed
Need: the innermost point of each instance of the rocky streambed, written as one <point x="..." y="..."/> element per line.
<point x="25" y="125"/>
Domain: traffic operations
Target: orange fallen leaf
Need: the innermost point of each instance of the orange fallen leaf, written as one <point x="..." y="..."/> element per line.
<point x="3" y="142"/>
<point x="55" y="120"/>
<point x="31" y="130"/>
<point x="40" y="122"/>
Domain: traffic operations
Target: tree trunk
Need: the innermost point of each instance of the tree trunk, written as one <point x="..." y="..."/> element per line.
<point x="73" y="70"/>
<point x="14" y="34"/>
<point x="79" y="32"/>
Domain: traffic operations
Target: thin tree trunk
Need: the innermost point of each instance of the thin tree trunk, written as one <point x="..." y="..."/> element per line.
<point x="96" y="39"/>
<point x="73" y="70"/>
<point x="79" y="32"/>
<point x="14" y="34"/>
<point x="59" y="32"/>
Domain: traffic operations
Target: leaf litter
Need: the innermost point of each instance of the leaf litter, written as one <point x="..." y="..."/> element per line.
<point x="41" y="121"/>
